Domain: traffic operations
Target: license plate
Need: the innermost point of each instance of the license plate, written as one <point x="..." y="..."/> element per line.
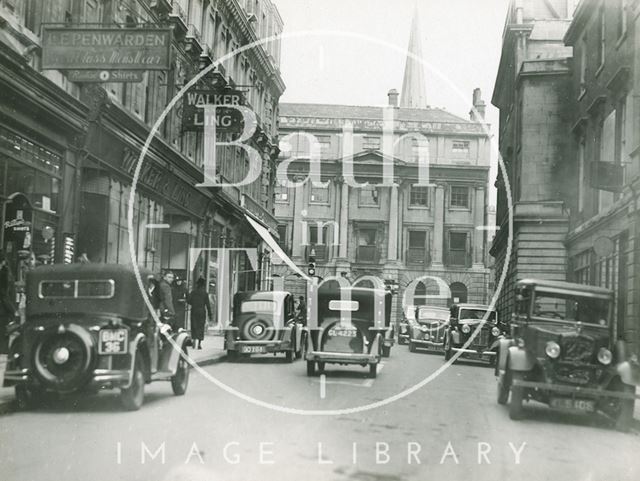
<point x="253" y="349"/>
<point x="343" y="333"/>
<point x="573" y="404"/>
<point x="113" y="341"/>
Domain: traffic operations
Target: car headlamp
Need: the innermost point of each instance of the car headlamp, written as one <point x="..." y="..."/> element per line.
<point x="495" y="331"/>
<point x="466" y="329"/>
<point x="552" y="349"/>
<point x="605" y="356"/>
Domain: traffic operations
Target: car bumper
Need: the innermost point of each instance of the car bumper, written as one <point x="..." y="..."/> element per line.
<point x="427" y="344"/>
<point x="99" y="378"/>
<point x="267" y="346"/>
<point x="342" y="358"/>
<point x="475" y="353"/>
<point x="575" y="390"/>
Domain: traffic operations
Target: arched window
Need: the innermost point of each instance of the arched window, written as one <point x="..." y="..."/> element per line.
<point x="458" y="292"/>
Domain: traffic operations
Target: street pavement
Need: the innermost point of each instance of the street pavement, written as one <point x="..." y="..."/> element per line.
<point x="450" y="429"/>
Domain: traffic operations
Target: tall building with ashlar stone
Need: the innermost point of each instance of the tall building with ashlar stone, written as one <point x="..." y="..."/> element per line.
<point x="397" y="232"/>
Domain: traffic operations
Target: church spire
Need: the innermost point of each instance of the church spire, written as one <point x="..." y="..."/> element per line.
<point x="414" y="89"/>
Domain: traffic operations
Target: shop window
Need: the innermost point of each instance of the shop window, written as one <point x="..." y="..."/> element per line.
<point x="459" y="197"/>
<point x="419" y="196"/>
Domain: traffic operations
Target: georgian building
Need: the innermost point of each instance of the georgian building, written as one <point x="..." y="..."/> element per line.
<point x="604" y="224"/>
<point x="68" y="150"/>
<point x="531" y="91"/>
<point x="396" y="233"/>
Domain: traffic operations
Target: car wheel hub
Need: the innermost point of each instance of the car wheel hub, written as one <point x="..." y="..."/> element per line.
<point x="61" y="355"/>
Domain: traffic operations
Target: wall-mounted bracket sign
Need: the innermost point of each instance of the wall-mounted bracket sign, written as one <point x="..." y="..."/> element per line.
<point x="82" y="48"/>
<point x="227" y="119"/>
<point x="105" y="75"/>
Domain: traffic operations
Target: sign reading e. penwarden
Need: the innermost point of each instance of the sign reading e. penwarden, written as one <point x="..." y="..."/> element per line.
<point x="66" y="48"/>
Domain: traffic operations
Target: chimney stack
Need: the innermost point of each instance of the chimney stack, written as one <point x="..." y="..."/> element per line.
<point x="477" y="115"/>
<point x="393" y="97"/>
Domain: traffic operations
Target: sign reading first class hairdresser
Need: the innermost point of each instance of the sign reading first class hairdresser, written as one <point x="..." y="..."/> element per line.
<point x="66" y="48"/>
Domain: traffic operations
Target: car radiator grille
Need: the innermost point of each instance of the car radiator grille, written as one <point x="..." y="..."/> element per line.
<point x="570" y="374"/>
<point x="577" y="349"/>
<point x="482" y="339"/>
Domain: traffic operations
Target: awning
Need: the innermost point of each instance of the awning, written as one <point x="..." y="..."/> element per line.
<point x="275" y="247"/>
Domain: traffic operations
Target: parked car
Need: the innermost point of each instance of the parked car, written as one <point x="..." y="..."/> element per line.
<point x="408" y="313"/>
<point x="428" y="327"/>
<point x="346" y="331"/>
<point x="564" y="353"/>
<point x="264" y="322"/>
<point x="88" y="328"/>
<point x="478" y="324"/>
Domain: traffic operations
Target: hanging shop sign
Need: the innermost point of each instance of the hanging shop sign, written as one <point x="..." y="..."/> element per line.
<point x="227" y="119"/>
<point x="79" y="48"/>
<point x="19" y="221"/>
<point x="105" y="75"/>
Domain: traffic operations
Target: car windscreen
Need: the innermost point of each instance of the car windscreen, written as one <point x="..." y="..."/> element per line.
<point x="564" y="307"/>
<point x="479" y="314"/>
<point x="432" y="314"/>
<point x="265" y="307"/>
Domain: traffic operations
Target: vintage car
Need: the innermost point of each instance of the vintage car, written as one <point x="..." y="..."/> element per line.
<point x="475" y="322"/>
<point x="264" y="322"/>
<point x="427" y="329"/>
<point x="563" y="352"/>
<point x="347" y="330"/>
<point x="88" y="328"/>
<point x="408" y="313"/>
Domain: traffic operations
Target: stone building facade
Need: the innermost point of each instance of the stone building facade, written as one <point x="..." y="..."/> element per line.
<point x="604" y="226"/>
<point x="396" y="233"/>
<point x="575" y="195"/>
<point x="68" y="149"/>
<point x="532" y="85"/>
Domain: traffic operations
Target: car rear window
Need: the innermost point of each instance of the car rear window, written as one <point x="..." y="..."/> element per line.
<point x="258" y="306"/>
<point x="80" y="289"/>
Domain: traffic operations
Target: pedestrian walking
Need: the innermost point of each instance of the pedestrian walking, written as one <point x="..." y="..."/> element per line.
<point x="198" y="299"/>
<point x="302" y="310"/>
<point x="7" y="307"/>
<point x="167" y="309"/>
<point x="179" y="296"/>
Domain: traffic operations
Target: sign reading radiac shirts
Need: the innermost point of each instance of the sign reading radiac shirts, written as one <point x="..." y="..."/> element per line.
<point x="77" y="48"/>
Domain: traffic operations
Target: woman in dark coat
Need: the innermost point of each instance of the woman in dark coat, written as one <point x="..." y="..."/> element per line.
<point x="198" y="299"/>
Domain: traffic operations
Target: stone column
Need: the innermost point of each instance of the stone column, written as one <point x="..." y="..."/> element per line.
<point x="438" y="227"/>
<point x="478" y="235"/>
<point x="394" y="212"/>
<point x="344" y="220"/>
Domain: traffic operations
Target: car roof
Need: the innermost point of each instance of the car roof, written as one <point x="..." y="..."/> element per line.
<point x="436" y="308"/>
<point x="566" y="287"/>
<point x="263" y="295"/>
<point x="474" y="306"/>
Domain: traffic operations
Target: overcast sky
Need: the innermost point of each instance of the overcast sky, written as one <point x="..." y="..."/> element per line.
<point x="461" y="40"/>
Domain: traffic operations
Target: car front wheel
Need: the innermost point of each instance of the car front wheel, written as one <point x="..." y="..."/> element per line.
<point x="624" y="416"/>
<point x="516" y="411"/>
<point x="311" y="368"/>
<point x="386" y="351"/>
<point x="447" y="348"/>
<point x="504" y="386"/>
<point x="132" y="397"/>
<point x="373" y="370"/>
<point x="180" y="380"/>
